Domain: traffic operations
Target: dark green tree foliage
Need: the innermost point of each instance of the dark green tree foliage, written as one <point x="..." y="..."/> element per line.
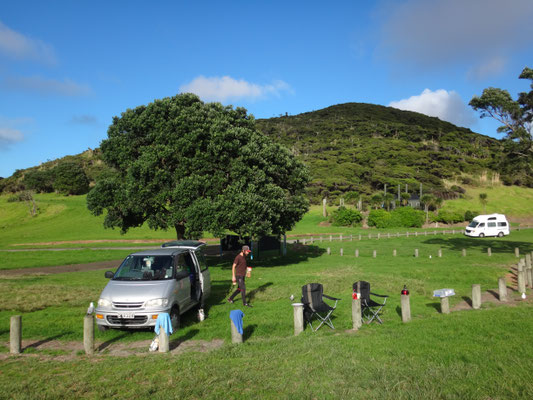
<point x="403" y="217"/>
<point x="70" y="178"/>
<point x="41" y="181"/>
<point x="193" y="166"/>
<point x="345" y="217"/>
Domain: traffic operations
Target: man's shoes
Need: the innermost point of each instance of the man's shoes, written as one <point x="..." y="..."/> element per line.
<point x="230" y="301"/>
<point x="248" y="305"/>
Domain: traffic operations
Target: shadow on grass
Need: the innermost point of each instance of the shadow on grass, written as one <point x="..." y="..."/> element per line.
<point x="248" y="331"/>
<point x="468" y="300"/>
<point x="497" y="245"/>
<point x="108" y="343"/>
<point x="436" y="306"/>
<point x="47" y="340"/>
<point x="260" y="289"/>
<point x="188" y="336"/>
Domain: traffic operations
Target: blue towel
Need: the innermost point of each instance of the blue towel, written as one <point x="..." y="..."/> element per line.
<point x="163" y="320"/>
<point x="236" y="317"/>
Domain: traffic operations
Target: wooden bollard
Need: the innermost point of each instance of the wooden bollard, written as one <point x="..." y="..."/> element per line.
<point x="516" y="252"/>
<point x="416" y="233"/>
<point x="528" y="260"/>
<point x="357" y="322"/>
<point x="489" y="252"/>
<point x="425" y="233"/>
<point x="416" y="252"/>
<point x="359" y="237"/>
<point x="397" y="234"/>
<point x="406" y="308"/>
<point x="351" y="238"/>
<point x="444" y="305"/>
<point x="374" y="254"/>
<point x="370" y="236"/>
<point x="463" y="252"/>
<point x="340" y="238"/>
<point x="320" y="239"/>
<point x="342" y="252"/>
<point x="164" y="342"/>
<point x="379" y="235"/>
<point x="521" y="282"/>
<point x="394" y="253"/>
<point x="15" y="334"/>
<point x="357" y="252"/>
<point x="330" y="238"/>
<point x="88" y="334"/>
<point x="304" y="241"/>
<point x="329" y="251"/>
<point x="520" y="265"/>
<point x="476" y="296"/>
<point x="236" y="337"/>
<point x="434" y="232"/>
<point x="502" y="289"/>
<point x="298" y="318"/>
<point x="388" y="235"/>
<point x="407" y="234"/>
<point x="439" y="253"/>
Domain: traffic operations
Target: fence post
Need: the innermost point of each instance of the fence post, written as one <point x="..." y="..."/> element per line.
<point x="476" y="296"/>
<point x="489" y="252"/>
<point x="521" y="282"/>
<point x="88" y="334"/>
<point x="444" y="305"/>
<point x="351" y="238"/>
<point x="340" y="237"/>
<point x="407" y="234"/>
<point x="359" y="236"/>
<point x="330" y="238"/>
<point x="374" y="254"/>
<point x="516" y="252"/>
<point x="357" y="252"/>
<point x="342" y="252"/>
<point x="394" y="253"/>
<point x="329" y="251"/>
<point x="439" y="253"/>
<point x="164" y="342"/>
<point x="379" y="235"/>
<point x="357" y="322"/>
<point x="298" y="318"/>
<point x="236" y="337"/>
<point x="502" y="289"/>
<point x="406" y="308"/>
<point x="463" y="253"/>
<point x="416" y="252"/>
<point x="15" y="334"/>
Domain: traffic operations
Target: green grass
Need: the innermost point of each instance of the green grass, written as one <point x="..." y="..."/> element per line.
<point x="465" y="355"/>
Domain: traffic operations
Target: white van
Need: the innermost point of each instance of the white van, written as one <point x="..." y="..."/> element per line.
<point x="488" y="225"/>
<point x="172" y="279"/>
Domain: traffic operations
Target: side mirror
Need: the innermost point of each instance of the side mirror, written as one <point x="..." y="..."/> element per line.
<point x="109" y="274"/>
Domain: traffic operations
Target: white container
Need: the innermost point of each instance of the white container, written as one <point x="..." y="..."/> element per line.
<point x="443" y="292"/>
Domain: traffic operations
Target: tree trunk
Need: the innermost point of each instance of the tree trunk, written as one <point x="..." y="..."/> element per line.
<point x="180" y="230"/>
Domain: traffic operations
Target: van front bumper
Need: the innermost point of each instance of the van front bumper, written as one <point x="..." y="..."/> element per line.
<point x="127" y="319"/>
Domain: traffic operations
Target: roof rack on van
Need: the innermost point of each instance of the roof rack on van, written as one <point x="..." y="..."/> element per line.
<point x="183" y="243"/>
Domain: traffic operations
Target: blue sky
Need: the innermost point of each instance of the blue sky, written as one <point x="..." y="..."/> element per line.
<point x="68" y="67"/>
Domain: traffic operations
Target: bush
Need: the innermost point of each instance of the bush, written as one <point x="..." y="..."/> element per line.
<point x="70" y="178"/>
<point x="450" y="217"/>
<point x="40" y="181"/>
<point x="379" y="219"/>
<point x="470" y="215"/>
<point x="345" y="217"/>
<point x="407" y="217"/>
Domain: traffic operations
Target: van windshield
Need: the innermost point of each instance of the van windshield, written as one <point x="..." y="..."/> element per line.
<point x="145" y="268"/>
<point x="473" y="224"/>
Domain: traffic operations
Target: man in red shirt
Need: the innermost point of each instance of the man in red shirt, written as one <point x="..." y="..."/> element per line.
<point x="238" y="272"/>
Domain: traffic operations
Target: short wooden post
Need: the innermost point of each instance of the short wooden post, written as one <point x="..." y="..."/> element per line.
<point x="444" y="305"/>
<point x="379" y="235"/>
<point x="416" y="233"/>
<point x="394" y="253"/>
<point x="439" y="253"/>
<point x="330" y="238"/>
<point x="528" y="260"/>
<point x="320" y="239"/>
<point x="489" y="252"/>
<point x="357" y="322"/>
<point x="359" y="237"/>
<point x="342" y="252"/>
<point x="463" y="253"/>
<point x="374" y="254"/>
<point x="397" y="234"/>
<point x="516" y="252"/>
<point x="164" y="342"/>
<point x="406" y="308"/>
<point x="453" y="231"/>
<point x="476" y="296"/>
<point x="298" y="318"/>
<point x="340" y="237"/>
<point x="357" y="252"/>
<point x="303" y="241"/>
<point x="236" y="337"/>
<point x="329" y="251"/>
<point x="502" y="289"/>
<point x="407" y="234"/>
<point x="425" y="233"/>
<point x="521" y="282"/>
<point x="88" y="334"/>
<point x="416" y="252"/>
<point x="529" y="277"/>
<point x="370" y="236"/>
<point x="15" y="334"/>
<point x="351" y="238"/>
<point x="388" y="235"/>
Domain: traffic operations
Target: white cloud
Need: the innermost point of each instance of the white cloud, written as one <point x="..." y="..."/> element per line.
<point x="224" y="88"/>
<point x="448" y="106"/>
<point x="9" y="136"/>
<point x="19" y="47"/>
<point x="443" y="32"/>
<point x="493" y="67"/>
<point x="43" y="86"/>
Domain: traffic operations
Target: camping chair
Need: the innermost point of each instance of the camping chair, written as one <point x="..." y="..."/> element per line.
<point x="314" y="305"/>
<point x="369" y="308"/>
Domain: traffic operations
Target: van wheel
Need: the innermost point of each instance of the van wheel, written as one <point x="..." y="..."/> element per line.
<point x="175" y="318"/>
<point x="500" y="234"/>
<point x="481" y="235"/>
<point x="102" y="328"/>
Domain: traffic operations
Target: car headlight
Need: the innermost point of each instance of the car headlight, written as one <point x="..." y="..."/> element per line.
<point x="104" y="303"/>
<point x="157" y="303"/>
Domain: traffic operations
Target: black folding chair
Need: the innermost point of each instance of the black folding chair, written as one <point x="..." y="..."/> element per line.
<point x="369" y="308"/>
<point x="314" y="305"/>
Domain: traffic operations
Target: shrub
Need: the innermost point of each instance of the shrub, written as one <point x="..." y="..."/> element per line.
<point x="407" y="217"/>
<point x="345" y="217"/>
<point x="450" y="217"/>
<point x="40" y="181"/>
<point x="379" y="219"/>
<point x="70" y="178"/>
<point x="470" y="215"/>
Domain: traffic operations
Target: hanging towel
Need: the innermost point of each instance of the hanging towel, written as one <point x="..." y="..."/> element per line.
<point x="163" y="320"/>
<point x="236" y="317"/>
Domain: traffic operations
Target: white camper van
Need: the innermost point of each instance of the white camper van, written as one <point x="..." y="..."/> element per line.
<point x="488" y="225"/>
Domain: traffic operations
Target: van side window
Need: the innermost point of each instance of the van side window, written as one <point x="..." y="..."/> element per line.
<point x="502" y="223"/>
<point x="182" y="270"/>
<point x="492" y="219"/>
<point x="481" y="225"/>
<point x="492" y="224"/>
<point x="201" y="259"/>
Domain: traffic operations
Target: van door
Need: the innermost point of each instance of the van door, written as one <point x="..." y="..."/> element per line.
<point x="492" y="228"/>
<point x="183" y="284"/>
<point x="205" y="276"/>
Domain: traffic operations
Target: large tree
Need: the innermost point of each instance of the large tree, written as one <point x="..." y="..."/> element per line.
<point x="181" y="163"/>
<point x="516" y="117"/>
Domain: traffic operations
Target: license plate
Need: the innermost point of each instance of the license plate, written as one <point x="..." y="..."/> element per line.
<point x="128" y="315"/>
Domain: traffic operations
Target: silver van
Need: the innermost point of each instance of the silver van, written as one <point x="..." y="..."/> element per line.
<point x="171" y="279"/>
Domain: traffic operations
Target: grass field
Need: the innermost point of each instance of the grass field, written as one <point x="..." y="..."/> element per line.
<point x="465" y="355"/>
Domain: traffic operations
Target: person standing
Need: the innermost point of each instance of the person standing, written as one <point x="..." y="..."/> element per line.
<point x="238" y="272"/>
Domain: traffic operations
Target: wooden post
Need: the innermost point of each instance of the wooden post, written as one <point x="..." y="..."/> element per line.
<point x="529" y="277"/>
<point x="489" y="252"/>
<point x="370" y="236"/>
<point x="236" y="337"/>
<point x="374" y="254"/>
<point x="439" y="253"/>
<point x="88" y="334"/>
<point x="330" y="238"/>
<point x="320" y="239"/>
<point x="444" y="305"/>
<point x="303" y="241"/>
<point x="416" y="252"/>
<point x="521" y="282"/>
<point x="476" y="296"/>
<point x="394" y="253"/>
<point x="359" y="236"/>
<point x="516" y="252"/>
<point x="340" y="237"/>
<point x="407" y="234"/>
<point x="463" y="253"/>
<point x="357" y="252"/>
<point x="15" y="334"/>
<point x="416" y="233"/>
<point x="342" y="252"/>
<point x="164" y="342"/>
<point x="324" y="211"/>
<point x="502" y="289"/>
<point x="351" y="238"/>
<point x="298" y="318"/>
<point x="379" y="235"/>
<point x="406" y="308"/>
<point x="357" y="322"/>
<point x="528" y="260"/>
<point x="329" y="251"/>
